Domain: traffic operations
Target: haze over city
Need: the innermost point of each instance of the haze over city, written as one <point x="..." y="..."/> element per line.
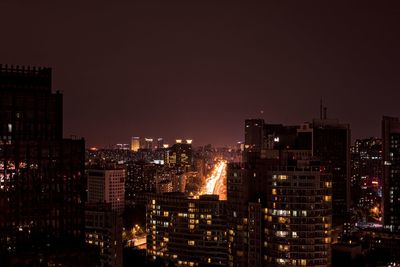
<point x="197" y="69"/>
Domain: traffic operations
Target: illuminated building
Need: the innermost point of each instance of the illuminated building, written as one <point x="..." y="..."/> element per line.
<point x="121" y="146"/>
<point x="148" y="143"/>
<point x="366" y="172"/>
<point x="42" y="185"/>
<point x="140" y="178"/>
<point x="164" y="186"/>
<point x="298" y="217"/>
<point x="279" y="214"/>
<point x="181" y="156"/>
<point x="189" y="232"/>
<point x="391" y="173"/>
<point x="103" y="229"/>
<point x="107" y="185"/>
<point x="279" y="207"/>
<point x="135" y="144"/>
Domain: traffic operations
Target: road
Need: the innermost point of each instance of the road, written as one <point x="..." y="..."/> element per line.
<point x="216" y="183"/>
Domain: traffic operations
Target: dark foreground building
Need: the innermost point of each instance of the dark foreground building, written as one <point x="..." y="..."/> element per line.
<point x="42" y="186"/>
<point x="391" y="173"/>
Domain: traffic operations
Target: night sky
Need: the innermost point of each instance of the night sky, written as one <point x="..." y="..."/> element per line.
<point x="198" y="68"/>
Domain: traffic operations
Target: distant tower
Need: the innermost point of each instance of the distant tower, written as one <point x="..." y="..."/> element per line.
<point x="148" y="142"/>
<point x="160" y="143"/>
<point x="135" y="144"/>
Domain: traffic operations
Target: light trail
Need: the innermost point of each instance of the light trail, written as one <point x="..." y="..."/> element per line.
<point x="215" y="183"/>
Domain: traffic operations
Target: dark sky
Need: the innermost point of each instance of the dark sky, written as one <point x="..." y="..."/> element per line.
<point x="198" y="68"/>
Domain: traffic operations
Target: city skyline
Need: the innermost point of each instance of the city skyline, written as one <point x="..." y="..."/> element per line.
<point x="175" y="69"/>
<point x="282" y="198"/>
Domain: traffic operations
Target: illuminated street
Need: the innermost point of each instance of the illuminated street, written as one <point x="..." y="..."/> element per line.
<point x="216" y="183"/>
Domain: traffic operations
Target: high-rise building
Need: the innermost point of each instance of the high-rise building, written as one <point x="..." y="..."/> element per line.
<point x="366" y="173"/>
<point x="331" y="145"/>
<point x="140" y="178"/>
<point x="160" y="143"/>
<point x="279" y="214"/>
<point x="181" y="156"/>
<point x="103" y="229"/>
<point x="187" y="231"/>
<point x="329" y="141"/>
<point x="42" y="185"/>
<point x="391" y="173"/>
<point x="254" y="134"/>
<point x="135" y="144"/>
<point x="298" y="217"/>
<point x="107" y="185"/>
<point x="148" y="143"/>
<point x="279" y="207"/>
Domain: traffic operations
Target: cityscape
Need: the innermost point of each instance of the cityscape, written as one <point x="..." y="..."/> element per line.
<point x="80" y="186"/>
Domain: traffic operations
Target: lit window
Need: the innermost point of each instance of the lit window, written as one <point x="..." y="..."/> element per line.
<point x="282" y="220"/>
<point x="281" y="233"/>
<point x="191" y="242"/>
<point x="282" y="177"/>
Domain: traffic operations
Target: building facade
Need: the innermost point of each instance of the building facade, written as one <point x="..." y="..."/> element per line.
<point x="391" y="173"/>
<point x="103" y="229"/>
<point x="187" y="231"/>
<point x="107" y="185"/>
<point x="42" y="182"/>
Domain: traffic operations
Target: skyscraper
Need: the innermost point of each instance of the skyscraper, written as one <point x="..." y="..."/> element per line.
<point x="180" y="156"/>
<point x="42" y="185"/>
<point x="331" y="145"/>
<point x="298" y="217"/>
<point x="328" y="140"/>
<point x="135" y="144"/>
<point x="148" y="143"/>
<point x="254" y="134"/>
<point x="391" y="173"/>
<point x="160" y="143"/>
<point x="279" y="207"/>
<point x="366" y="173"/>
<point x="140" y="178"/>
